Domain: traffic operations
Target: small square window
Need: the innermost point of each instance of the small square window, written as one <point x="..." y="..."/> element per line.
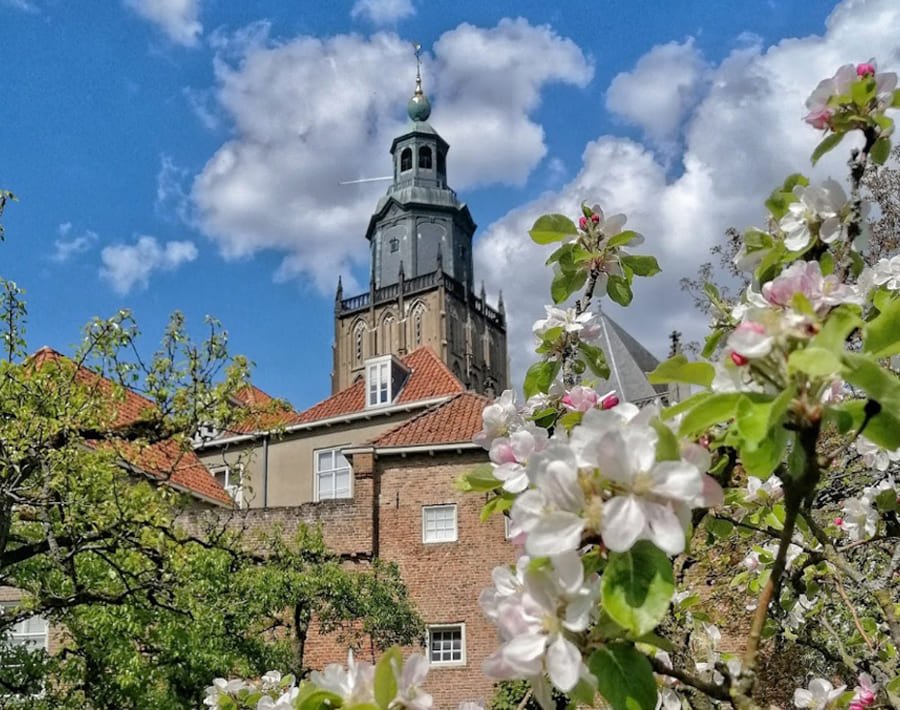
<point x="333" y="475"/>
<point x="439" y="523"/>
<point x="231" y="479"/>
<point x="395" y="245"/>
<point x="447" y="645"/>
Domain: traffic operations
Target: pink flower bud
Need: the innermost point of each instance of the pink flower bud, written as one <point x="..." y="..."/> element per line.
<point x="609" y="401"/>
<point x="595" y="218"/>
<point x="866" y="697"/>
<point x="856" y="705"/>
<point x="839" y="521"/>
<point x="582" y="222"/>
<point x="865" y="69"/>
<point x="738" y="359"/>
<point x="819" y="119"/>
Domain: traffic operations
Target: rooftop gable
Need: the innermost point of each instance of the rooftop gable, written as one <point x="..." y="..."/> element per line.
<point x="428" y="378"/>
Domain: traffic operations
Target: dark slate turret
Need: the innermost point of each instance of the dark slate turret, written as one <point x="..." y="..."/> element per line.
<point x="420" y="219"/>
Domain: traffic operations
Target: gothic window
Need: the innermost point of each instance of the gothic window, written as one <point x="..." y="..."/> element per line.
<point x="418" y="315"/>
<point x="406" y="160"/>
<point x="425" y="157"/>
<point x="358" y="334"/>
<point x="387" y="333"/>
<point x="395" y="245"/>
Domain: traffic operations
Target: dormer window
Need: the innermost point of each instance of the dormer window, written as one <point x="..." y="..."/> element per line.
<point x="425" y="157"/>
<point x="406" y="160"/>
<point x="385" y="376"/>
<point x="378" y="383"/>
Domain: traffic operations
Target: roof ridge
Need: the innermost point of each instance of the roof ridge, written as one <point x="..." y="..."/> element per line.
<point x="441" y="363"/>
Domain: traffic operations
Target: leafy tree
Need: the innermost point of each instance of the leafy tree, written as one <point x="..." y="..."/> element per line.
<point x="151" y="592"/>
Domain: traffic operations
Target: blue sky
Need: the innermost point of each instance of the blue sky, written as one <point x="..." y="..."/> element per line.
<point x="187" y="154"/>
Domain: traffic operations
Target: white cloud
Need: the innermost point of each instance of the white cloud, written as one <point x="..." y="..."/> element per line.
<point x="740" y="141"/>
<point x="65" y="248"/>
<point x="172" y="198"/>
<point x="663" y="86"/>
<point x="177" y="18"/>
<point x="129" y="266"/>
<point x="309" y="113"/>
<point x="382" y="12"/>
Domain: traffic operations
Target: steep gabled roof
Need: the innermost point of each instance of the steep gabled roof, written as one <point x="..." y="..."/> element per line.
<point x="629" y="362"/>
<point x="455" y="421"/>
<point x="164" y="460"/>
<point x="428" y="378"/>
<point x="261" y="412"/>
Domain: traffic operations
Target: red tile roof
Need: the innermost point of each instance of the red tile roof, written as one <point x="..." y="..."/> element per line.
<point x="455" y="421"/>
<point x="164" y="460"/>
<point x="263" y="412"/>
<point x="428" y="378"/>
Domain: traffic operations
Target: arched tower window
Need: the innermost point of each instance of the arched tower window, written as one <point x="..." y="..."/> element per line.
<point x="388" y="333"/>
<point x="406" y="160"/>
<point x="417" y="336"/>
<point x="359" y="331"/>
<point x="425" y="157"/>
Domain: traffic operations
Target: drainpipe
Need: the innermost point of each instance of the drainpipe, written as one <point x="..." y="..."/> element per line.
<point x="265" y="471"/>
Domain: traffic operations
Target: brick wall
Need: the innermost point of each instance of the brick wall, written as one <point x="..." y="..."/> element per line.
<point x="445" y="579"/>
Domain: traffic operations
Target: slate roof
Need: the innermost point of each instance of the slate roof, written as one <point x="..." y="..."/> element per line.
<point x="164" y="460"/>
<point x="629" y="362"/>
<point x="455" y="421"/>
<point x="428" y="378"/>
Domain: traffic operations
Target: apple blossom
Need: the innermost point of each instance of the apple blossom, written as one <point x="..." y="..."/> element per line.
<point x="355" y="684"/>
<point x="864" y="693"/>
<point x="582" y="324"/>
<point x="819" y="694"/>
<point x="805" y="277"/>
<point x="820" y="112"/>
<point x="500" y="417"/>
<point x="873" y="455"/>
<point x="540" y="612"/>
<point x="817" y="212"/>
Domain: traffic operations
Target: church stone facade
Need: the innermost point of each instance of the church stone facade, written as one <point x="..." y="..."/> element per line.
<point x="421" y="286"/>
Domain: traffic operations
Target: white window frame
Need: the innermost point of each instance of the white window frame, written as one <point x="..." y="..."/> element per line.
<point x="443" y="628"/>
<point x="335" y="451"/>
<point x="42" y="638"/>
<point x="426" y="509"/>
<point x="235" y="490"/>
<point x="378" y="382"/>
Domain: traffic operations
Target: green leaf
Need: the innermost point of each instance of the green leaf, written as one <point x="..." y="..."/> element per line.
<point x="667" y="447"/>
<point x="882" y="334"/>
<point x="881" y="150"/>
<point x="622" y="238"/>
<point x="385" y="678"/>
<point x="619" y="290"/>
<point x="595" y="359"/>
<point x="540" y="376"/>
<point x="841" y="322"/>
<point x="624" y="677"/>
<point x="478" y="480"/>
<point x="678" y="369"/>
<point x="714" y="410"/>
<point x="813" y="361"/>
<point x="762" y="460"/>
<point x="641" y="265"/>
<point x="498" y="504"/>
<point x="895" y="101"/>
<point x="319" y="699"/>
<point x="565" y="283"/>
<point x="552" y="228"/>
<point x="558" y="253"/>
<point x="827" y="144"/>
<point x="685" y="405"/>
<point x="637" y="587"/>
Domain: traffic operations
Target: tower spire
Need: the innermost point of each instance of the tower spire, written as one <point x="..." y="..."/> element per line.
<point x="419" y="107"/>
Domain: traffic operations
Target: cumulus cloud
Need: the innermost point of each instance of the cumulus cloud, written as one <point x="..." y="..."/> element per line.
<point x="739" y="141"/>
<point x="663" y="86"/>
<point x="382" y="12"/>
<point x="176" y="18"/>
<point x="66" y="247"/>
<point x="129" y="266"/>
<point x="309" y="113"/>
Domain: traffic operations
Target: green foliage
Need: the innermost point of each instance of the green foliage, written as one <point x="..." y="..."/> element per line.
<point x="624" y="677"/>
<point x="637" y="586"/>
<point x="510" y="694"/>
<point x="552" y="228"/>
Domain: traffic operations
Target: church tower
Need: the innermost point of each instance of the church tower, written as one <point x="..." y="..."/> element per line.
<point x="421" y="285"/>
